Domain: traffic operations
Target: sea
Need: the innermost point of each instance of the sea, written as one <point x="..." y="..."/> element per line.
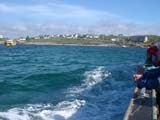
<point x="58" y="82"/>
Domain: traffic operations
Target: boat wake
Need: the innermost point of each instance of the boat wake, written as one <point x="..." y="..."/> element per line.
<point x="64" y="110"/>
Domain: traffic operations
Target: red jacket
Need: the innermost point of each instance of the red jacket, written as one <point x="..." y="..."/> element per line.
<point x="152" y="50"/>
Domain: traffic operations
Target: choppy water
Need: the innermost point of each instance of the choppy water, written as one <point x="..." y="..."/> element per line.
<point x="66" y="82"/>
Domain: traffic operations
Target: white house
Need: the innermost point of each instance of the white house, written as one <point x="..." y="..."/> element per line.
<point x="37" y="37"/>
<point x="115" y="39"/>
<point x="96" y="36"/>
<point x="76" y="35"/>
<point x="1" y="36"/>
<point x="22" y="39"/>
<point x="146" y="39"/>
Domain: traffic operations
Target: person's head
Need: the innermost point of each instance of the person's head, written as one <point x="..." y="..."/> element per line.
<point x="152" y="44"/>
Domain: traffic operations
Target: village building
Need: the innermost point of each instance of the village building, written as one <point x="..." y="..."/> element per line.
<point x="139" y="38"/>
<point x="1" y="36"/>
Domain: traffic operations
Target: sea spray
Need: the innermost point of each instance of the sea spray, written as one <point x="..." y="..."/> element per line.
<point x="64" y="110"/>
<point x="92" y="78"/>
<point x="95" y="76"/>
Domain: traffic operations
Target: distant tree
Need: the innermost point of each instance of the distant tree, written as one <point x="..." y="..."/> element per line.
<point x="27" y="38"/>
<point x="102" y="36"/>
<point x="82" y="36"/>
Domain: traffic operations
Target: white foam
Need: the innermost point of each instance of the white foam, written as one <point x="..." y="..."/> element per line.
<point x="62" y="111"/>
<point x="15" y="114"/>
<point x="95" y="76"/>
<point x="91" y="79"/>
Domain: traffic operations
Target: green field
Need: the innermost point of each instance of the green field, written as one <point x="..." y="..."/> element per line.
<point x="81" y="41"/>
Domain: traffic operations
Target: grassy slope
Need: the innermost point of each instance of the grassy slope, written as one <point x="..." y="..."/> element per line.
<point x="70" y="41"/>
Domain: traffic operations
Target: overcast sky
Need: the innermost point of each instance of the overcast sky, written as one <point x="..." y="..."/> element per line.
<point x="34" y="17"/>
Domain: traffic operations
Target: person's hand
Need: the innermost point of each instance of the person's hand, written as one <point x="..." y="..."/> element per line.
<point x="137" y="76"/>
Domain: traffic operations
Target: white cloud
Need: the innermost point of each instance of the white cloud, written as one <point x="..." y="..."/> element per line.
<point x="4" y="8"/>
<point x="99" y="28"/>
<point x="53" y="10"/>
<point x="100" y="22"/>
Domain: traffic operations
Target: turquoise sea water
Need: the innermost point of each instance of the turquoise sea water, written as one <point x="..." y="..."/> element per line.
<point x="66" y="82"/>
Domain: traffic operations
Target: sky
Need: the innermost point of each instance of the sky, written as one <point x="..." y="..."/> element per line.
<point x="19" y="18"/>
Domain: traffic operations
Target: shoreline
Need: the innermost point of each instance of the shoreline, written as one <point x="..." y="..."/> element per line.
<point x="62" y="44"/>
<point x="67" y="44"/>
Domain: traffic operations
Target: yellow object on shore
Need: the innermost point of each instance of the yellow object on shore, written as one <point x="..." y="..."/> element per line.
<point x="10" y="43"/>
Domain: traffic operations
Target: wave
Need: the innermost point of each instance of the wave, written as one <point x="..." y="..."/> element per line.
<point x="91" y="78"/>
<point x="63" y="110"/>
<point x="95" y="76"/>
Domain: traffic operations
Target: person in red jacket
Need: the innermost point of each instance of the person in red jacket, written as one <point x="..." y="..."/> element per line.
<point x="151" y="54"/>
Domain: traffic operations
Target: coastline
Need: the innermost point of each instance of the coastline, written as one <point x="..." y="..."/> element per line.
<point x="78" y="44"/>
<point x="49" y="43"/>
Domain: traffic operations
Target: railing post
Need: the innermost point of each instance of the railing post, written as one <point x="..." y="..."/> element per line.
<point x="154" y="108"/>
